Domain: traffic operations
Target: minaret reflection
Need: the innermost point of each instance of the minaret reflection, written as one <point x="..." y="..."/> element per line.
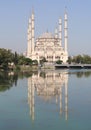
<point x="31" y="90"/>
<point x="48" y="85"/>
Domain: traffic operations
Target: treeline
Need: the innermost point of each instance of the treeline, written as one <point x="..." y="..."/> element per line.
<point x="10" y="60"/>
<point x="83" y="59"/>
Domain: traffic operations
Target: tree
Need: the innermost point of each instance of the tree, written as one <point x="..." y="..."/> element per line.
<point x="59" y="62"/>
<point x="16" y="58"/>
<point x="24" y="61"/>
<point x="21" y="60"/>
<point x="77" y="59"/>
<point x="83" y="59"/>
<point x="27" y="61"/>
<point x="86" y="59"/>
<point x="43" y="60"/>
<point x="6" y="57"/>
<point x="69" y="60"/>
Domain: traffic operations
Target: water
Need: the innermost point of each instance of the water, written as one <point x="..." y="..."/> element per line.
<point x="48" y="100"/>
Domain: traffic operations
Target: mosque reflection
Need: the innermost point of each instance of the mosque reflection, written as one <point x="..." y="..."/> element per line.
<point x="52" y="84"/>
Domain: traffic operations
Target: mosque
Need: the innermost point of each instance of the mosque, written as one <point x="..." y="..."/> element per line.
<point x="48" y="45"/>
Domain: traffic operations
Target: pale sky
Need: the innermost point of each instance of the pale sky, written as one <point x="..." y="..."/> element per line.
<point x="14" y="15"/>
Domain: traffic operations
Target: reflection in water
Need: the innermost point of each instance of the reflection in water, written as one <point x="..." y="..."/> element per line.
<point x="47" y="85"/>
<point x="8" y="79"/>
<point x="80" y="73"/>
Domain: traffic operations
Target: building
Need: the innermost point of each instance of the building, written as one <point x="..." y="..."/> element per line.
<point x="48" y="46"/>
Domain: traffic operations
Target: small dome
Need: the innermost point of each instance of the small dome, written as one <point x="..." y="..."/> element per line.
<point x="46" y="35"/>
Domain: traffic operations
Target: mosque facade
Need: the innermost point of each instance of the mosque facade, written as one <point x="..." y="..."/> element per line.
<point x="48" y="45"/>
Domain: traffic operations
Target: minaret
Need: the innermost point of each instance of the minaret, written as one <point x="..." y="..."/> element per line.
<point x="65" y="31"/>
<point x="56" y="33"/>
<point x="29" y="38"/>
<point x="32" y="26"/>
<point x="60" y="31"/>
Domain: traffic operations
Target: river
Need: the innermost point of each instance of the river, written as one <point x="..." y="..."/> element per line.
<point x="46" y="100"/>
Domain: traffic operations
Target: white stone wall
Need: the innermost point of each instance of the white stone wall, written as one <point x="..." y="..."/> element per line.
<point x="50" y="49"/>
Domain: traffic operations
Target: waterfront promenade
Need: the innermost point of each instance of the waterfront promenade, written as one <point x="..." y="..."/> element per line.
<point x="73" y="66"/>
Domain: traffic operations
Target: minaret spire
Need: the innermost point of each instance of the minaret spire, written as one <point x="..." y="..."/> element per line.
<point x="65" y="30"/>
<point x="56" y="33"/>
<point x="60" y="31"/>
<point x="29" y="38"/>
<point x="32" y="26"/>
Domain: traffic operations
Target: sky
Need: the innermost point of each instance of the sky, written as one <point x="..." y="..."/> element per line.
<point x="14" y="15"/>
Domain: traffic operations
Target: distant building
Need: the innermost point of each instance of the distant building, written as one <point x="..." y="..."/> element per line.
<point x="47" y="46"/>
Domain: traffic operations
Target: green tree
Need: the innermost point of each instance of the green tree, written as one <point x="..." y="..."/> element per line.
<point x="86" y="59"/>
<point x="16" y="58"/>
<point x="83" y="59"/>
<point x="69" y="60"/>
<point x="6" y="57"/>
<point x="77" y="59"/>
<point x="43" y="60"/>
<point x="27" y="61"/>
<point x="21" y="60"/>
<point x="59" y="62"/>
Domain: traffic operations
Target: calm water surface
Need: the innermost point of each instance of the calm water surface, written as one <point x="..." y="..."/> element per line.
<point x="50" y="100"/>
